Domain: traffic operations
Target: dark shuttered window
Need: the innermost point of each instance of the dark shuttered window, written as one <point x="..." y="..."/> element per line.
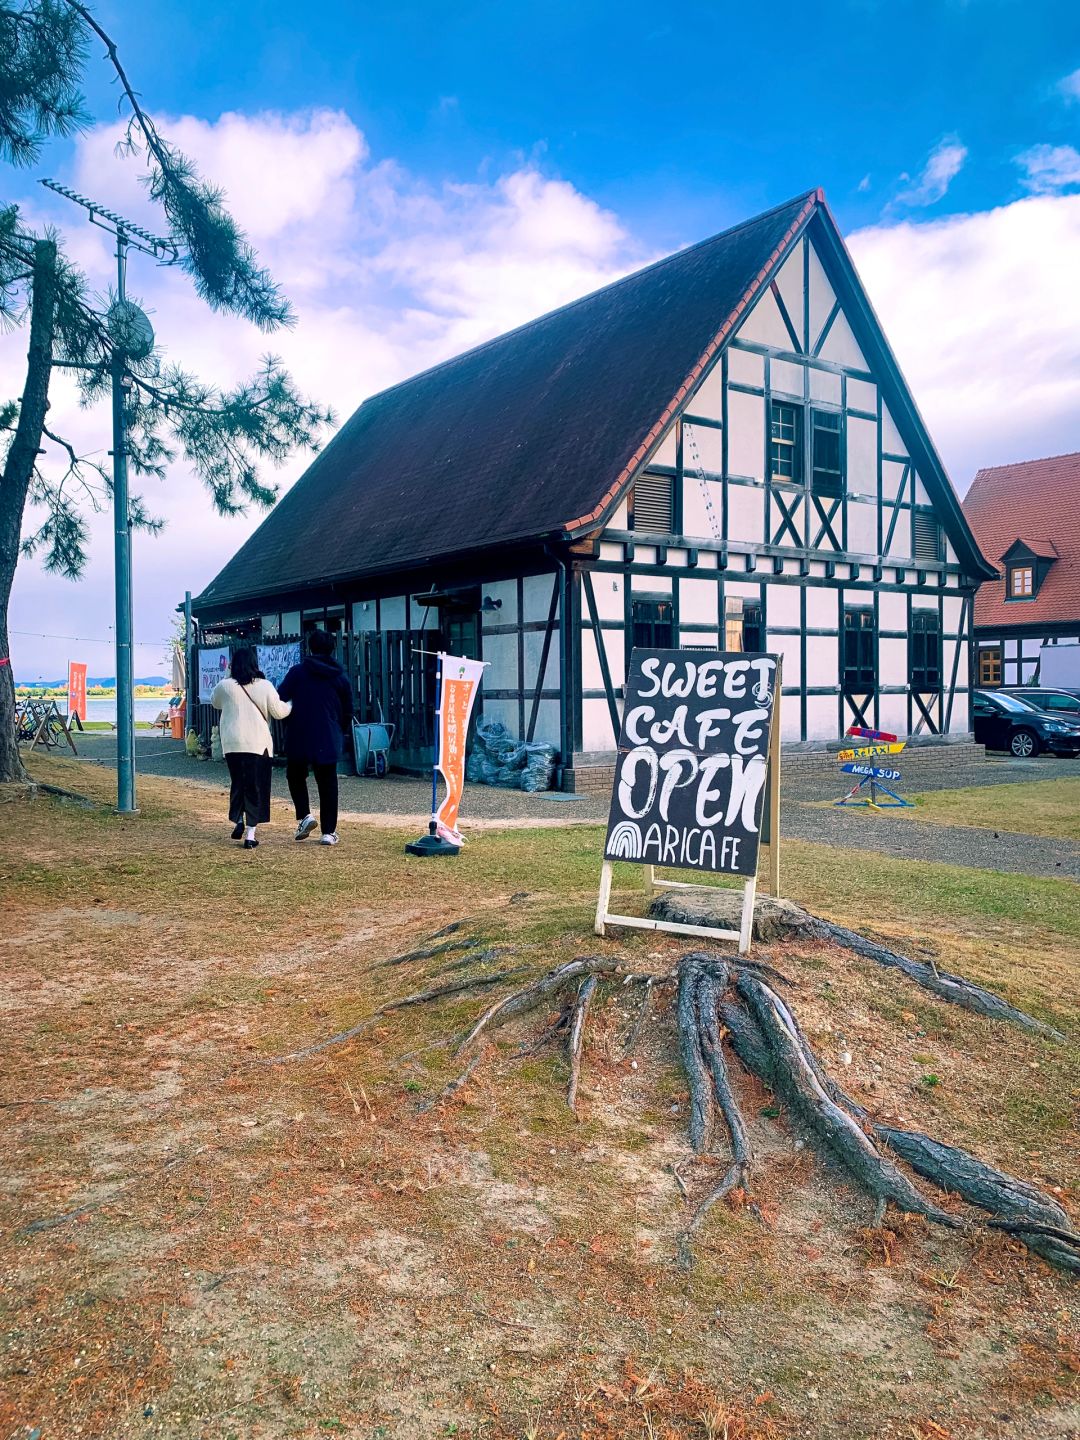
<point x="654" y="624"/>
<point x="925" y="650"/>
<point x="929" y="540"/>
<point x="652" y="507"/>
<point x="827" y="455"/>
<point x="858" y="651"/>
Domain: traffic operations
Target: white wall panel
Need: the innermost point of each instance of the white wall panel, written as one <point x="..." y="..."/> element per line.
<point x="890" y="436"/>
<point x="744" y="589"/>
<point x="392" y="613"/>
<point x="534" y="648"/>
<point x="892" y="715"/>
<point x="764" y="325"/>
<point x="892" y="476"/>
<point x="861" y="395"/>
<point x="820" y="717"/>
<point x="925" y="599"/>
<point x="538" y="597"/>
<point x="500" y="653"/>
<point x="841" y="346"/>
<point x="363" y="616"/>
<point x="746" y="514"/>
<point x="892" y="611"/>
<point x="892" y="662"/>
<point x="789" y="281"/>
<point x="825" y="386"/>
<point x="596" y="731"/>
<point x="695" y="514"/>
<point x="789" y="647"/>
<point x="746" y="435"/>
<point x="665" y="451"/>
<point x="609" y="595"/>
<point x="290" y="622"/>
<point x="698" y="602"/>
<point x="698" y="639"/>
<point x="960" y="720"/>
<point x="786" y="378"/>
<point x="746" y="368"/>
<point x="782" y="604"/>
<point x="708" y="398"/>
<point x="507" y="613"/>
<point x="861" y="456"/>
<point x="505" y="711"/>
<point x="710" y="449"/>
<point x="822" y="297"/>
<point x="650" y="584"/>
<point x="862" y="529"/>
<point x="822" y="607"/>
<point x="822" y="653"/>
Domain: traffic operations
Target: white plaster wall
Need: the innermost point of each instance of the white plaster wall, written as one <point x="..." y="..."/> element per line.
<point x="596" y="731"/>
<point x="610" y="596"/>
<point x="392" y="613"/>
<point x="861" y="456"/>
<point x="746" y="589"/>
<point x="924" y="600"/>
<point x="789" y="281"/>
<point x="892" y="662"/>
<point x="710" y="450"/>
<point x="841" y="347"/>
<point x="665" y="453"/>
<point x="500" y="654"/>
<point x="921" y="496"/>
<point x="820" y="717"/>
<point x="861" y="395"/>
<point x="892" y="475"/>
<point x="822" y="298"/>
<point x="620" y="518"/>
<point x="821" y="661"/>
<point x="649" y="584"/>
<point x="698" y="640"/>
<point x="746" y="514"/>
<point x="764" y="325"/>
<point x="507" y="613"/>
<point x="862" y="529"/>
<point x="745" y="368"/>
<point x="270" y="624"/>
<point x="505" y="711"/>
<point x="900" y="549"/>
<point x="890" y="436"/>
<point x="695" y="515"/>
<point x="782" y="605"/>
<point x="825" y="386"/>
<point x="698" y="602"/>
<point x="708" y="398"/>
<point x="786" y="378"/>
<point x="822" y="607"/>
<point x="615" y="645"/>
<point x="892" y="715"/>
<point x="290" y="622"/>
<point x="960" y="720"/>
<point x="892" y="611"/>
<point x="746" y="435"/>
<point x="787" y="646"/>
<point x="537" y="596"/>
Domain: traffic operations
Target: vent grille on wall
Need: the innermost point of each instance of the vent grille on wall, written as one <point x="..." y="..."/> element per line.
<point x="929" y="541"/>
<point x="653" y="509"/>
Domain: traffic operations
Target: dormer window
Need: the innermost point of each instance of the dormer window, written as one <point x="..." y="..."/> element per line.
<point x="1020" y="582"/>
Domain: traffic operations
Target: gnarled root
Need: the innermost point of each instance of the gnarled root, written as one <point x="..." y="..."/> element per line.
<point x="577" y="1036"/>
<point x="953" y="988"/>
<point x="522" y="1000"/>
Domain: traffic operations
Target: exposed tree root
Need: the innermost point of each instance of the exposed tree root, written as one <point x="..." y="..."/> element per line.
<point x="522" y="1000"/>
<point x="450" y="1090"/>
<point x="639" y="1023"/>
<point x="425" y="953"/>
<point x="577" y="1035"/>
<point x="953" y="988"/>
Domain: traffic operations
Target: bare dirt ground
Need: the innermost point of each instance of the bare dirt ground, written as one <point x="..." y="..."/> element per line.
<point x="197" y="1242"/>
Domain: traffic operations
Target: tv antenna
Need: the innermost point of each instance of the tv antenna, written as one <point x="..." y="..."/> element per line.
<point x="132" y="338"/>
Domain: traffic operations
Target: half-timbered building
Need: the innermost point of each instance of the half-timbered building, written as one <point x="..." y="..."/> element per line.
<point x="1026" y="519"/>
<point x="718" y="450"/>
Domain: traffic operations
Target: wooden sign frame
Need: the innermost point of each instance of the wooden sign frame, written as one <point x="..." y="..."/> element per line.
<point x="744" y="935"/>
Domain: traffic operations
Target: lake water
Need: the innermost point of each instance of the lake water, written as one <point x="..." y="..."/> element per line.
<point x="105" y="709"/>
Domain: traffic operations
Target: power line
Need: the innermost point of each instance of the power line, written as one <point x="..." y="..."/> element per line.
<point x="89" y="639"/>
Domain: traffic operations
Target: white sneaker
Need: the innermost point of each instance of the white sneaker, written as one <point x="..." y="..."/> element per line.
<point x="330" y="839"/>
<point x="304" y="827"/>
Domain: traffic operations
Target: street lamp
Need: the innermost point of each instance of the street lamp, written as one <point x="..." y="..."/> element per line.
<point x="132" y="338"/>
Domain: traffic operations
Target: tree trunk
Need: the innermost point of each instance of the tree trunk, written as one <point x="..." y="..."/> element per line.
<point x="15" y="482"/>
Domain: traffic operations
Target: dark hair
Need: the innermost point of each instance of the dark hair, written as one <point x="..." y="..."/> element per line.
<point x="320" y="642"/>
<point x="245" y="665"/>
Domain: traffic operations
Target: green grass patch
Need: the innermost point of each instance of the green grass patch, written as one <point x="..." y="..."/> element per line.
<point x="1036" y="807"/>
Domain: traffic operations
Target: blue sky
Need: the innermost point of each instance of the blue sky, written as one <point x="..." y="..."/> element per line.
<point x="421" y="177"/>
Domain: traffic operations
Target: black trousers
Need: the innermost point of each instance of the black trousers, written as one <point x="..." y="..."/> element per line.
<point x="249" y="795"/>
<point x="296" y="772"/>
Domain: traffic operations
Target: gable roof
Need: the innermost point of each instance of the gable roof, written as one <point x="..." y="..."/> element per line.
<point x="536" y="434"/>
<point x="1029" y="502"/>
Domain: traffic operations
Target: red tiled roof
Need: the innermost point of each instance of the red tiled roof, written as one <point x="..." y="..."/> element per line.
<point x="1030" y="501"/>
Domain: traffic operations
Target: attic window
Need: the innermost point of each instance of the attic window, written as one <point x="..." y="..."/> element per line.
<point x="652" y="506"/>
<point x="929" y="541"/>
<point x="1021" y="582"/>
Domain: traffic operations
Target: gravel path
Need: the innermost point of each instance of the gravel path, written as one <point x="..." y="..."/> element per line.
<point x="802" y="819"/>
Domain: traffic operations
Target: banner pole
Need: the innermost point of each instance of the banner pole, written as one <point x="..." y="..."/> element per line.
<point x="433" y="843"/>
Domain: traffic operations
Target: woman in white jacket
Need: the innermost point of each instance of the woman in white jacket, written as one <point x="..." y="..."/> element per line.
<point x="247" y="702"/>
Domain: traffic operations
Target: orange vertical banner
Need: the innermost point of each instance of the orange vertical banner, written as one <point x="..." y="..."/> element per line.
<point x="77" y="690"/>
<point x="457" y="695"/>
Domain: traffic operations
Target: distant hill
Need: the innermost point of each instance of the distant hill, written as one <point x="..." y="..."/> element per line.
<point x="94" y="680"/>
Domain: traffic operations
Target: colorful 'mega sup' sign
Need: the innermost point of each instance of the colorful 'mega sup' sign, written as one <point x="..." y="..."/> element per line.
<point x="692" y="761"/>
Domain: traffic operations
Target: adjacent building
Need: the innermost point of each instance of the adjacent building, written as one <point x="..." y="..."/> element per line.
<point x="719" y="450"/>
<point x="1026" y="519"/>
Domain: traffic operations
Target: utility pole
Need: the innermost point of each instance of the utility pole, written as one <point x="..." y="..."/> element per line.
<point x="133" y="339"/>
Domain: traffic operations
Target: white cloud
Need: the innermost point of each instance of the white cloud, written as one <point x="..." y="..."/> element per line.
<point x="981" y="312"/>
<point x="1069" y="86"/>
<point x="388" y="274"/>
<point x="1048" y="168"/>
<point x="943" y="164"/>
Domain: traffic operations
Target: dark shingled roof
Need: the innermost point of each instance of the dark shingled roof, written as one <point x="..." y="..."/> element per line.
<point x="534" y="435"/>
<point x="529" y="435"/>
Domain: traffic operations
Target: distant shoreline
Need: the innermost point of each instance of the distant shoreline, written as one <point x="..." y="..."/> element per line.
<point x="93" y="692"/>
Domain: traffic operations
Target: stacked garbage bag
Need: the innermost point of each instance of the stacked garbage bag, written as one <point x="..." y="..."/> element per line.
<point x="497" y="758"/>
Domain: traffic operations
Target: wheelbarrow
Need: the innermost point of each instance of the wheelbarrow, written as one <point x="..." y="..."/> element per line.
<point x="371" y="745"/>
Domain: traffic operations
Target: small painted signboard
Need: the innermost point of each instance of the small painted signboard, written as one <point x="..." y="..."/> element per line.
<point x="863" y="752"/>
<point x="872" y="772"/>
<point x="698" y="734"/>
<point x="863" y="733"/>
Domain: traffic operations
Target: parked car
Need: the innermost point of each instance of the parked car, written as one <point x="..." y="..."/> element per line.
<point x="1065" y="704"/>
<point x="1002" y="721"/>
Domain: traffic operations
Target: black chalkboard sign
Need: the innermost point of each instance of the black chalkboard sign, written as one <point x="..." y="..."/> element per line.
<point x="693" y="759"/>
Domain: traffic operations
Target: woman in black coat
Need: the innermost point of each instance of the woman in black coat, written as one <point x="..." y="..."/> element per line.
<point x="321" y="715"/>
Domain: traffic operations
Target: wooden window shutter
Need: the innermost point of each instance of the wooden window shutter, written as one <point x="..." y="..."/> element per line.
<point x="929" y="543"/>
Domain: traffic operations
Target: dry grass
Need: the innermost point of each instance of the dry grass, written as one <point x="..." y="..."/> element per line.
<point x="1036" y="807"/>
<point x="298" y="1250"/>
